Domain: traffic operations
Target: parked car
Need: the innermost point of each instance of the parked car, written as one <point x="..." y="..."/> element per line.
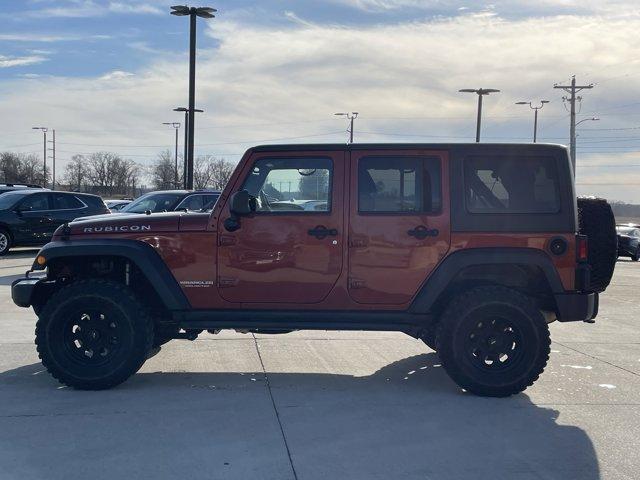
<point x="10" y="187"/>
<point x="29" y="216"/>
<point x="472" y="248"/>
<point x="116" y="205"/>
<point x="629" y="241"/>
<point x="169" y="201"/>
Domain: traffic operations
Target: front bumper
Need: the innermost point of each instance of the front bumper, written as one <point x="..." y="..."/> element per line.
<point x="574" y="307"/>
<point x="22" y="291"/>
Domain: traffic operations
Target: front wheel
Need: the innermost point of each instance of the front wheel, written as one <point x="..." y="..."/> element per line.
<point x="493" y="341"/>
<point x="93" y="334"/>
<point x="5" y="242"/>
<point x="636" y="256"/>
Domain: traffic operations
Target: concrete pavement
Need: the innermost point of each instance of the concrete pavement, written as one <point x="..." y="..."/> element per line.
<point x="325" y="405"/>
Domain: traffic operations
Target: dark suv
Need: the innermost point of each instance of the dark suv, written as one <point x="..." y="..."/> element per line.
<point x="29" y="217"/>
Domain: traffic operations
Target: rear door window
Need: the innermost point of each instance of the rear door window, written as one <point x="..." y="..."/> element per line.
<point x="397" y="184"/>
<point x="192" y="203"/>
<point x="511" y="185"/>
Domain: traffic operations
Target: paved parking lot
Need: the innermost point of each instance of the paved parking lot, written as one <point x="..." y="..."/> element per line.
<point x="326" y="405"/>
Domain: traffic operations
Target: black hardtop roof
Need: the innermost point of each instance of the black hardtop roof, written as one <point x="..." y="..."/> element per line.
<point x="467" y="148"/>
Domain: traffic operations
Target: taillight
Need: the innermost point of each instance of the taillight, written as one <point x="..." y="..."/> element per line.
<point x="582" y="248"/>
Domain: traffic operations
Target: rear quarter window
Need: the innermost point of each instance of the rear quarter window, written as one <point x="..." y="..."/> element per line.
<point x="511" y="185"/>
<point x="93" y="201"/>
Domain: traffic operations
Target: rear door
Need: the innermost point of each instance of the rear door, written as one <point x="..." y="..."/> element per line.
<point x="399" y="223"/>
<point x="283" y="253"/>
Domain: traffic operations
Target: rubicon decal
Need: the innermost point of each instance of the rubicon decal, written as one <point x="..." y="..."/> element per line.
<point x="118" y="228"/>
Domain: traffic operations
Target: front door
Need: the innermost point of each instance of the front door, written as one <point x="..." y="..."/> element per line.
<point x="36" y="224"/>
<point x="290" y="250"/>
<point x="399" y="223"/>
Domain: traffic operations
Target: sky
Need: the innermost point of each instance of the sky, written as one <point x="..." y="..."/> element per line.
<point x="106" y="74"/>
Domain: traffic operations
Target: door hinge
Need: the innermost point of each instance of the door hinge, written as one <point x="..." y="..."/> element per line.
<point x="227" y="282"/>
<point x="226" y="240"/>
<point x="356" y="283"/>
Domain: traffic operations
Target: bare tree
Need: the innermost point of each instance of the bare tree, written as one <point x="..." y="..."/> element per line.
<point x="76" y="173"/>
<point x="163" y="172"/>
<point x="110" y="174"/>
<point x="211" y="172"/>
<point x="21" y="168"/>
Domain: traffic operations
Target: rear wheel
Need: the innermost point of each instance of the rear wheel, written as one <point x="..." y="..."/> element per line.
<point x="493" y="341"/>
<point x="5" y="241"/>
<point x="93" y="334"/>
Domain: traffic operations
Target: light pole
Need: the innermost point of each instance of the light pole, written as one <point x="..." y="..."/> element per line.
<point x="535" y="116"/>
<point x="186" y="140"/>
<point x="176" y="127"/>
<point x="44" y="153"/>
<point x="193" y="13"/>
<point x="351" y="116"/>
<point x="480" y="92"/>
<point x="573" y="158"/>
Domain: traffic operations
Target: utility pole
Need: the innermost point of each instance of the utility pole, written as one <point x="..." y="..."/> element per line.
<point x="53" y="151"/>
<point x="351" y="116"/>
<point x="480" y="92"/>
<point x="44" y="131"/>
<point x="535" y="117"/>
<point x="572" y="90"/>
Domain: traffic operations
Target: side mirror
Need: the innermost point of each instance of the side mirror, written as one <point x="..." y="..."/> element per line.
<point x="242" y="203"/>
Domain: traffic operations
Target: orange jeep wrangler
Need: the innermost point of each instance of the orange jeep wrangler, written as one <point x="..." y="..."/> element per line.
<point x="473" y="248"/>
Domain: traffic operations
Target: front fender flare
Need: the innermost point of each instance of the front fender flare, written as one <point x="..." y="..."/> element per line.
<point x="139" y="253"/>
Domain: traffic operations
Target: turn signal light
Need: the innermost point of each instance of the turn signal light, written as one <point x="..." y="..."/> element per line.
<point x="40" y="260"/>
<point x="582" y="249"/>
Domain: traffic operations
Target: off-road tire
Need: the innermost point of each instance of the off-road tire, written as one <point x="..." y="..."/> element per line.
<point x="599" y="225"/>
<point x="636" y="256"/>
<point x="117" y="318"/>
<point x="5" y="241"/>
<point x="472" y="313"/>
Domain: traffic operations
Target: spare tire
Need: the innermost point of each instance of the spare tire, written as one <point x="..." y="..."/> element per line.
<point x="597" y="222"/>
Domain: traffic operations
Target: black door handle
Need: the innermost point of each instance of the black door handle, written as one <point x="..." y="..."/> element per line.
<point x="320" y="232"/>
<point x="421" y="232"/>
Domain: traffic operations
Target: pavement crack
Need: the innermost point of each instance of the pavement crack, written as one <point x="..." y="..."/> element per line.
<point x="275" y="408"/>
<point x="599" y="359"/>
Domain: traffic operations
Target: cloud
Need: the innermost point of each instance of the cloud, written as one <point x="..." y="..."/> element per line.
<point x="285" y="81"/>
<point x="6" y="61"/>
<point x="49" y="38"/>
<point x="116" y="75"/>
<point x="90" y="8"/>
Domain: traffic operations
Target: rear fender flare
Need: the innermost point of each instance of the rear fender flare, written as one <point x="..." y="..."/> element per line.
<point x="439" y="281"/>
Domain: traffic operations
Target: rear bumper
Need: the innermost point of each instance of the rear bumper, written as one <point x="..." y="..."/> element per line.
<point x="22" y="291"/>
<point x="574" y="307"/>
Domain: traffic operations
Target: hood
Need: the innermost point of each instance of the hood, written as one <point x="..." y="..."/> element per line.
<point x="124" y="223"/>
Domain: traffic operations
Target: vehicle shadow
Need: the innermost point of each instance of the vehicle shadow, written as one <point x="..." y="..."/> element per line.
<point x="21" y="253"/>
<point x="407" y="420"/>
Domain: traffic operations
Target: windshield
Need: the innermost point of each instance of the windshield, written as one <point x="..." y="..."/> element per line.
<point x="154" y="202"/>
<point x="9" y="199"/>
